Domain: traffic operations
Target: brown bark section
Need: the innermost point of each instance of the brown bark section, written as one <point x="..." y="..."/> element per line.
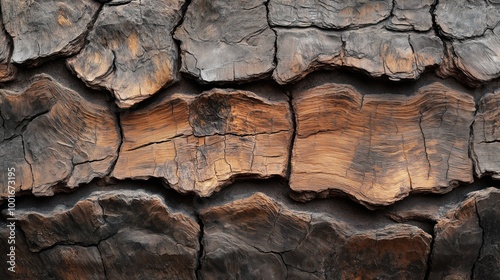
<point x="379" y="148"/>
<point x="47" y="28"/>
<point x="486" y="137"/>
<point x="131" y="51"/>
<point x="201" y="143"/>
<point x="54" y="137"/>
<point x="111" y="234"/>
<point x="259" y="232"/>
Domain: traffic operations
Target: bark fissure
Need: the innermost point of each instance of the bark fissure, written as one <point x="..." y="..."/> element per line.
<point x="481" y="248"/>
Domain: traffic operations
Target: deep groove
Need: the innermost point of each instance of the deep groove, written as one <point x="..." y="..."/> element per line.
<point x="122" y="137"/>
<point x="201" y="251"/>
<point x="429" y="258"/>
<point x="275" y="60"/>
<point x="473" y="269"/>
<point x="292" y="140"/>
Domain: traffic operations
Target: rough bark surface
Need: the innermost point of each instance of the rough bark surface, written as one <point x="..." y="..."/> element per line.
<point x="249" y="139"/>
<point x="379" y="148"/>
<point x="486" y="138"/>
<point x="472" y="227"/>
<point x="121" y="234"/>
<point x="54" y="137"/>
<point x="328" y="14"/>
<point x="131" y="51"/>
<point x="373" y="50"/>
<point x="296" y="244"/>
<point x="228" y="42"/>
<point x="31" y="23"/>
<point x="201" y="143"/>
<point x="411" y="15"/>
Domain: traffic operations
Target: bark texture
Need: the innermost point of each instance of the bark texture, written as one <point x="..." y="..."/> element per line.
<point x="379" y="148"/>
<point x="201" y="143"/>
<point x="249" y="139"/>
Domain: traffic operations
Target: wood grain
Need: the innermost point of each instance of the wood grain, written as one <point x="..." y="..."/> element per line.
<point x="131" y="51"/>
<point x="485" y="146"/>
<point x="47" y="28"/>
<point x="201" y="143"/>
<point x="55" y="138"/>
<point x="379" y="148"/>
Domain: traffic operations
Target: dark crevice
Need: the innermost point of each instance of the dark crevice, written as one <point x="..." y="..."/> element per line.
<point x="435" y="26"/>
<point x="425" y="145"/>
<point x="471" y="153"/>
<point x="292" y="140"/>
<point x="121" y="136"/>
<point x="480" y="250"/>
<point x="201" y="251"/>
<point x="178" y="43"/>
<point x="429" y="257"/>
<point x="275" y="60"/>
<point x="102" y="261"/>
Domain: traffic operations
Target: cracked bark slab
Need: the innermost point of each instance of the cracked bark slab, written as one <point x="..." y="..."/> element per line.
<point x="126" y="233"/>
<point x="379" y="148"/>
<point x="486" y="137"/>
<point x="373" y="50"/>
<point x="303" y="244"/>
<point x="225" y="41"/>
<point x="328" y="14"/>
<point x="461" y="19"/>
<point x="476" y="58"/>
<point x="411" y="15"/>
<point x="7" y="70"/>
<point x="470" y="230"/>
<point x="52" y="135"/>
<point x="131" y="51"/>
<point x="198" y="144"/>
<point x="47" y="28"/>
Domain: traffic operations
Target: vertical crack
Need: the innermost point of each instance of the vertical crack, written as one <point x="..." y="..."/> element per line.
<point x="425" y="146"/>
<point x="480" y="250"/>
<point x="471" y="153"/>
<point x="201" y="250"/>
<point x="275" y="60"/>
<point x="435" y="26"/>
<point x="27" y="161"/>
<point x="102" y="261"/>
<point x="292" y="140"/>
<point x="429" y="257"/>
<point x="119" y="148"/>
<point x="177" y="43"/>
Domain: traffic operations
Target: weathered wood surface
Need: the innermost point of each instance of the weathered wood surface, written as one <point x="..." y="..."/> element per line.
<point x="47" y="28"/>
<point x="54" y="138"/>
<point x="473" y="226"/>
<point x="226" y="41"/>
<point x="485" y="147"/>
<point x="328" y="14"/>
<point x="373" y="50"/>
<point x="379" y="148"/>
<point x="472" y="28"/>
<point x="131" y="51"/>
<point x="201" y="143"/>
<point x="127" y="234"/>
<point x="257" y="237"/>
<point x="411" y="15"/>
